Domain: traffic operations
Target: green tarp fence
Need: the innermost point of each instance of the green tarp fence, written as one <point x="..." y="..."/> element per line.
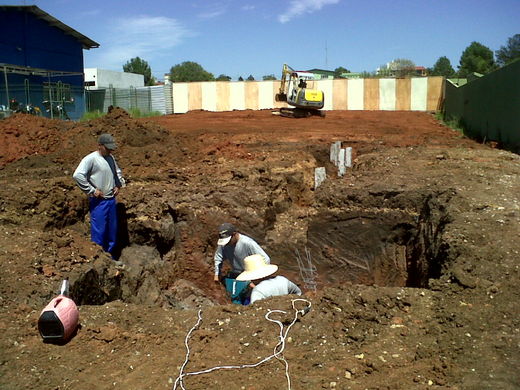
<point x="488" y="107"/>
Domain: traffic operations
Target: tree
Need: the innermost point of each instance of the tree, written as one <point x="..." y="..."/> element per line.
<point x="442" y="68"/>
<point x="139" y="66"/>
<point x="269" y="77"/>
<point x="510" y="52"/>
<point x="383" y="70"/>
<point x="399" y="67"/>
<point x="476" y="58"/>
<point x="240" y="78"/>
<point x="339" y="71"/>
<point x="223" y="77"/>
<point x="189" y="71"/>
<point x="250" y="78"/>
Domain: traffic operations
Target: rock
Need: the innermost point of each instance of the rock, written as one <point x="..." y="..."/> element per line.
<point x="463" y="278"/>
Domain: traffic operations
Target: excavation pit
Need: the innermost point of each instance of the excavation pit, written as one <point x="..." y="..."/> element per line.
<point x="376" y="246"/>
<point x="360" y="244"/>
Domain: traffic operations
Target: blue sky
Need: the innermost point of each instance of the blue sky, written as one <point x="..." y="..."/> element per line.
<point x="239" y="38"/>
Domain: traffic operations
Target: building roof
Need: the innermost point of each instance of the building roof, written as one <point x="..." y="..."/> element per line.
<point x="321" y="71"/>
<point x="52" y="21"/>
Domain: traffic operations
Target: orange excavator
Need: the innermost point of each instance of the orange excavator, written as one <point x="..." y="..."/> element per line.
<point x="296" y="88"/>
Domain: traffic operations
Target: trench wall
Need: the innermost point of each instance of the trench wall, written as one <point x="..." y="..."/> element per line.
<point x="410" y="94"/>
<point x="488" y="107"/>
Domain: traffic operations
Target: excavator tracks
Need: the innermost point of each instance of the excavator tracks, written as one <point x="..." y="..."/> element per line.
<point x="300" y="112"/>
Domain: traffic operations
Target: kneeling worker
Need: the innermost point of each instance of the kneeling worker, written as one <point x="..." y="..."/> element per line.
<point x="263" y="281"/>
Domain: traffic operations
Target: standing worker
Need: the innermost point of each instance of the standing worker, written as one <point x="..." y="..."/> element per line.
<point x="99" y="176"/>
<point x="234" y="247"/>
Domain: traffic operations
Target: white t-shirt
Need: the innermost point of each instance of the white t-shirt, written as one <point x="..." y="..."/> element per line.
<point x="278" y="285"/>
<point x="94" y="172"/>
<point x="236" y="254"/>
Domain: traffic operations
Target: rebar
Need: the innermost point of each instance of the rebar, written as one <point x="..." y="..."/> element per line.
<point x="308" y="271"/>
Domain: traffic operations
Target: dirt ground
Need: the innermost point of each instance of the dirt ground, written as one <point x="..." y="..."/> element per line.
<point x="414" y="254"/>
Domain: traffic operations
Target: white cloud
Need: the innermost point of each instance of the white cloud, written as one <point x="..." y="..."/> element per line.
<point x="248" y="7"/>
<point x="146" y="37"/>
<point x="214" y="9"/>
<point x="211" y="14"/>
<point x="300" y="7"/>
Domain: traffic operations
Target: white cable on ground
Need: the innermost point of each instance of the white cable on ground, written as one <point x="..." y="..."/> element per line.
<point x="199" y="315"/>
<point x="277" y="352"/>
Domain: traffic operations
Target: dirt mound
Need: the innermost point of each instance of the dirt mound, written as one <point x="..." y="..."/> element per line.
<point x="64" y="142"/>
<point x="25" y="135"/>
<point x="126" y="130"/>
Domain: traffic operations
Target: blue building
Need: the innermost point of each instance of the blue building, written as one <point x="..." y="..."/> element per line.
<point x="41" y="62"/>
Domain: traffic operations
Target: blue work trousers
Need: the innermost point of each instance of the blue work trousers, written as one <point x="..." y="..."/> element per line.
<point x="103" y="222"/>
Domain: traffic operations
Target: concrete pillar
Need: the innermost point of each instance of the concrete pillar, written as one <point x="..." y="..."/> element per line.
<point x="348" y="157"/>
<point x="341" y="162"/>
<point x="334" y="152"/>
<point x="342" y="158"/>
<point x="319" y="176"/>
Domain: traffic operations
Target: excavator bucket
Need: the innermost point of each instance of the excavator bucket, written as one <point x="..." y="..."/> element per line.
<point x="280" y="97"/>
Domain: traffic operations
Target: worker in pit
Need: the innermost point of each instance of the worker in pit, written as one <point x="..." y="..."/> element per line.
<point x="263" y="279"/>
<point x="100" y="178"/>
<point x="234" y="247"/>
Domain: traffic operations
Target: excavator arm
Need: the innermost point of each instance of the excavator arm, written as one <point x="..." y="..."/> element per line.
<point x="281" y="96"/>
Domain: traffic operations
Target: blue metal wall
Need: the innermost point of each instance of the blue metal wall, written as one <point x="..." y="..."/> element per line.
<point x="28" y="41"/>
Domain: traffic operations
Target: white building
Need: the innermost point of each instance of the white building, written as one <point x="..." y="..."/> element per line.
<point x="101" y="78"/>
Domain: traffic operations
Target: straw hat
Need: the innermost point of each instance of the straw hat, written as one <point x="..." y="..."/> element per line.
<point x="256" y="268"/>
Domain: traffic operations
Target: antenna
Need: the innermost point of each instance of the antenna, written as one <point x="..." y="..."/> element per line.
<point x="326" y="56"/>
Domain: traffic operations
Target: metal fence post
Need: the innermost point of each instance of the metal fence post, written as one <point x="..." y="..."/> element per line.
<point x="6" y="86"/>
<point x="112" y="94"/>
<point x="149" y="99"/>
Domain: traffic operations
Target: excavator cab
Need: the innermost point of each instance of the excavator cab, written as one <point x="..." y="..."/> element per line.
<point x="297" y="89"/>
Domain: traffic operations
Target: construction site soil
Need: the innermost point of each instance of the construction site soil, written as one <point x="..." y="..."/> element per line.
<point x="415" y="249"/>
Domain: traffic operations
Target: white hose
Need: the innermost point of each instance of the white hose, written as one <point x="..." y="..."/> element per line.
<point x="277" y="352"/>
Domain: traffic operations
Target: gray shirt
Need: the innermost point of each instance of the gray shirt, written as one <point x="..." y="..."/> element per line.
<point x="279" y="285"/>
<point x="94" y="172"/>
<point x="235" y="254"/>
